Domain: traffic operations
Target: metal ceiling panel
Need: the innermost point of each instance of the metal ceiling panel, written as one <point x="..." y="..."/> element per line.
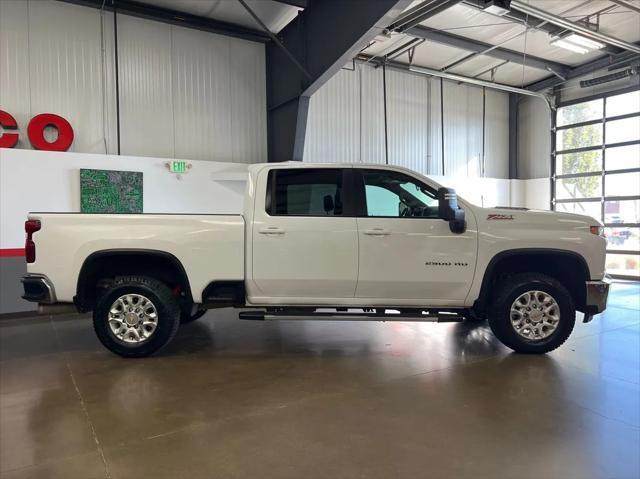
<point x="512" y="74"/>
<point x="473" y="23"/>
<point x="275" y="15"/>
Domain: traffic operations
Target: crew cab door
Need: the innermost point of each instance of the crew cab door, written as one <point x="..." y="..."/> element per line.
<point x="408" y="255"/>
<point x="305" y="239"/>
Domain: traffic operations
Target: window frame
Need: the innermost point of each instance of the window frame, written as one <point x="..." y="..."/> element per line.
<point x="348" y="206"/>
<point x="361" y="194"/>
<point x="604" y="173"/>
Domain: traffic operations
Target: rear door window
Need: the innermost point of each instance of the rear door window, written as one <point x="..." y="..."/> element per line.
<point x="305" y="192"/>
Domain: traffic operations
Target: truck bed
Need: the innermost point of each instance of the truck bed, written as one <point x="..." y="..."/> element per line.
<point x="209" y="247"/>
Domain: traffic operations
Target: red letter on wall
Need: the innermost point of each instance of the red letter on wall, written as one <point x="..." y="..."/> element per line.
<point x="36" y="127"/>
<point x="8" y="140"/>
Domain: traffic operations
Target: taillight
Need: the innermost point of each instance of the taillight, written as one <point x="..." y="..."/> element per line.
<point x="30" y="227"/>
<point x="597" y="230"/>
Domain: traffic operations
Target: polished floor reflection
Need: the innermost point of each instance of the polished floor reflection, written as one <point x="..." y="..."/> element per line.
<point x="316" y="399"/>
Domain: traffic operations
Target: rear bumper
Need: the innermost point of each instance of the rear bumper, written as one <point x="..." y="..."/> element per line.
<point x="597" y="295"/>
<point x="38" y="289"/>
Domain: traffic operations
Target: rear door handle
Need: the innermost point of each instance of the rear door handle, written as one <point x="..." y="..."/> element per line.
<point x="377" y="232"/>
<point x="271" y="230"/>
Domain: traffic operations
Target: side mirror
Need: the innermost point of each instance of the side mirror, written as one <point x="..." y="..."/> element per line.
<point x="449" y="210"/>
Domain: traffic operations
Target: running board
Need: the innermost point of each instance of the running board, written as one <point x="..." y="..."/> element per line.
<point x="440" y="317"/>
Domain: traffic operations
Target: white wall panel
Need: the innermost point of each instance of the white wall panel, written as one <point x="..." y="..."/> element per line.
<point x="462" y="130"/>
<point x="496" y="134"/>
<point x="534" y="139"/>
<point x="146" y="95"/>
<point x="52" y="63"/>
<point x="333" y="125"/>
<point x="372" y="128"/>
<point x="15" y="92"/>
<point x="183" y="93"/>
<point x="408" y="120"/>
<point x="248" y="105"/>
<point x="346" y="123"/>
<point x="201" y="95"/>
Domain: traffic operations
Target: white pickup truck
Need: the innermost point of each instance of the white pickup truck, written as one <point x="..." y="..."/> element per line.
<point x="331" y="241"/>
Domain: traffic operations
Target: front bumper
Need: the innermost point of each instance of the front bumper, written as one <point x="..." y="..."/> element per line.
<point x="597" y="295"/>
<point x="38" y="289"/>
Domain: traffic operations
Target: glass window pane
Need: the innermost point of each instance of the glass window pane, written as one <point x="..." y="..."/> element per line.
<point x="624" y="264"/>
<point x="579" y="137"/>
<point x="626" y="211"/>
<point x="622" y="157"/>
<point x="583" y="162"/>
<point x="622" y="184"/>
<point x="623" y="237"/>
<point x="395" y="195"/>
<point x="582" y="187"/>
<point x="586" y="111"/>
<point x="308" y="192"/>
<point x="589" y="208"/>
<point x="623" y="130"/>
<point x="623" y="104"/>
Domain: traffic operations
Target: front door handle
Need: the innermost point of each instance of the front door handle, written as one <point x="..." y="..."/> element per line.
<point x="377" y="232"/>
<point x="271" y="230"/>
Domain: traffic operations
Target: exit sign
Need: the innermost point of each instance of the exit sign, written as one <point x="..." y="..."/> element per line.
<point x="178" y="166"/>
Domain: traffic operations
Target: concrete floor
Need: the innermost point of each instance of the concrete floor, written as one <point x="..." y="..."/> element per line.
<point x="290" y="399"/>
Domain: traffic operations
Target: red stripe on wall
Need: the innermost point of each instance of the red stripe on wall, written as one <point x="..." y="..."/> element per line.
<point x="11" y="252"/>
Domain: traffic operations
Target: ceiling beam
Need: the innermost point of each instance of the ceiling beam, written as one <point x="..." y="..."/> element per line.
<point x="175" y="17"/>
<point x="608" y="61"/>
<point x="487" y="49"/>
<point x="626" y="4"/>
<point x="536" y="23"/>
<point x="294" y="3"/>
<point x="420" y="13"/>
<point x="572" y="26"/>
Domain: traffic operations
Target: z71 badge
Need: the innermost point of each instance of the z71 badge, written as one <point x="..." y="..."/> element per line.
<point x="499" y="217"/>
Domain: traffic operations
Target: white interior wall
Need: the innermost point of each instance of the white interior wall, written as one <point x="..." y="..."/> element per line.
<point x="209" y="187"/>
<point x="183" y="93"/>
<point x="346" y="123"/>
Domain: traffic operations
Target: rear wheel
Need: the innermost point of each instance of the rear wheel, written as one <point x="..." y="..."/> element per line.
<point x="532" y="313"/>
<point x="136" y="316"/>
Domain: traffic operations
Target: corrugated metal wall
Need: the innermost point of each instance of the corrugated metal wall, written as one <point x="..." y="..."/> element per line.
<point x="183" y="93"/>
<point x="50" y="62"/>
<point x="346" y="123"/>
<point x="534" y="139"/>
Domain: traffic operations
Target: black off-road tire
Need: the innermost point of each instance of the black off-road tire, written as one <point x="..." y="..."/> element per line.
<point x="500" y="312"/>
<point x="187" y="317"/>
<point x="168" y="313"/>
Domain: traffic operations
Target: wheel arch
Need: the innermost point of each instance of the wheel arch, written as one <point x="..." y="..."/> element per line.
<point x="130" y="261"/>
<point x="567" y="266"/>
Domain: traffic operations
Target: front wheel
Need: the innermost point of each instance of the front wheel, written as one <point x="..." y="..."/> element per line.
<point x="136" y="316"/>
<point x="532" y="313"/>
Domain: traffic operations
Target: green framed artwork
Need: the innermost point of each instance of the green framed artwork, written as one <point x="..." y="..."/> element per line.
<point x="107" y="191"/>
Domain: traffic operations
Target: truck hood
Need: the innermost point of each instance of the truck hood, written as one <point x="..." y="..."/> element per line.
<point x="508" y="217"/>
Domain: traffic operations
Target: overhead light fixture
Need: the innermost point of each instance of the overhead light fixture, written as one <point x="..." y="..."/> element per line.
<point x="497" y="7"/>
<point x="584" y="41"/>
<point x="560" y="42"/>
<point x="576" y="43"/>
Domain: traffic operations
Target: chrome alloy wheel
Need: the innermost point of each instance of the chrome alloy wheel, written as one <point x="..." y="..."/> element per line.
<point x="133" y="318"/>
<point x="535" y="315"/>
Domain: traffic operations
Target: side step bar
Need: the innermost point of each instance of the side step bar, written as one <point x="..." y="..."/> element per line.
<point x="414" y="316"/>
